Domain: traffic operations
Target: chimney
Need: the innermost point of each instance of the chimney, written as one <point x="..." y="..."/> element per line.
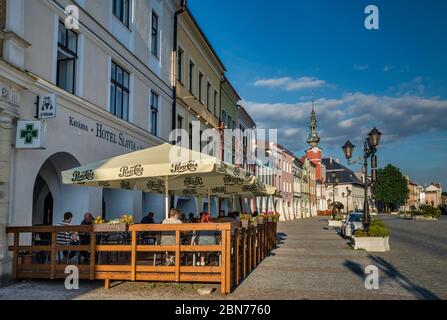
<point x="330" y="160"/>
<point x="337" y="160"/>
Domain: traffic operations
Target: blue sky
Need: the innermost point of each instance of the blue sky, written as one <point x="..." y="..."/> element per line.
<point x="280" y="53"/>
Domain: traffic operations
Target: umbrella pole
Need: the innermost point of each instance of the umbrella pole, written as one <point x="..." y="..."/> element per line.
<point x="166" y="198"/>
<point x="209" y="202"/>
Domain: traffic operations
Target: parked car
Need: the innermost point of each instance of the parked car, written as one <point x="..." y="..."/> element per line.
<point x="353" y="222"/>
<point x="444" y="210"/>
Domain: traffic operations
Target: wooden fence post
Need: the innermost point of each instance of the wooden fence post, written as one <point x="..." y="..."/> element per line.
<point x="133" y="257"/>
<point x="15" y="262"/>
<point x="223" y="262"/>
<point x="228" y="262"/>
<point x="244" y="252"/>
<point x="177" y="256"/>
<point x="92" y="255"/>
<point x="237" y="259"/>
<point x="53" y="255"/>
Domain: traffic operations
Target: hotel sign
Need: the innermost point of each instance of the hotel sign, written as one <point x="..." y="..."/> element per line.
<point x="29" y="134"/>
<point x="105" y="133"/>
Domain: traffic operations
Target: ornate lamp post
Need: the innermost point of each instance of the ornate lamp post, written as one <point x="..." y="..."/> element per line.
<point x="369" y="152"/>
<point x="332" y="183"/>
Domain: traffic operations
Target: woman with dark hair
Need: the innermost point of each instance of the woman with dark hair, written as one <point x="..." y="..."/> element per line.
<point x="207" y="237"/>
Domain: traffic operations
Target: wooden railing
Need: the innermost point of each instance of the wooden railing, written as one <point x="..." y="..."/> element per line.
<point x="237" y="252"/>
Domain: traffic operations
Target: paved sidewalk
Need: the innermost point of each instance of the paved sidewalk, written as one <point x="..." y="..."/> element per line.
<point x="311" y="262"/>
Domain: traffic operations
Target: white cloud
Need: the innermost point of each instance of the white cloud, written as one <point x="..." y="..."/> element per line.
<point x="361" y="67"/>
<point x="388" y="68"/>
<point x="290" y="84"/>
<point x="352" y="116"/>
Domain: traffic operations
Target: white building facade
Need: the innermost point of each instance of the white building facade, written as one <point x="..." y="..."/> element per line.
<point x="108" y="79"/>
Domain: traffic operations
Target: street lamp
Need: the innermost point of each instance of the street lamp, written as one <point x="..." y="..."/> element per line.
<point x="369" y="152"/>
<point x="333" y="183"/>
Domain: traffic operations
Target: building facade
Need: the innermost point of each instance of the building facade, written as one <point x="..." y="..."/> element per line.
<point x="349" y="191"/>
<point x="199" y="73"/>
<point x="297" y="171"/>
<point x="433" y="194"/>
<point x="245" y="145"/>
<point x="108" y="84"/>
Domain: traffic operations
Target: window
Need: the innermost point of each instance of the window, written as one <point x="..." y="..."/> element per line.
<point x="208" y="96"/>
<point x="191" y="76"/>
<point x="119" y="92"/>
<point x="179" y="126"/>
<point x="66" y="58"/>
<point x="121" y="11"/>
<point x="154" y="113"/>
<point x="224" y="118"/>
<point x="190" y="136"/>
<point x="201" y="87"/>
<point x="202" y="143"/>
<point x="154" y="39"/>
<point x="180" y="54"/>
<point x="216" y="107"/>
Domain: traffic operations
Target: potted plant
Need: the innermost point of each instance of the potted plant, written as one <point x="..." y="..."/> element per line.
<point x="27" y="258"/>
<point x="336" y="221"/>
<point x="245" y="219"/>
<point x="375" y="239"/>
<point x="116" y="225"/>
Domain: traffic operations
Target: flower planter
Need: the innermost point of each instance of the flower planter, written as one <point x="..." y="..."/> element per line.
<point x="245" y="223"/>
<point x="335" y="223"/>
<point x="27" y="259"/>
<point x="270" y="219"/>
<point x="372" y="244"/>
<point x="260" y="220"/>
<point x="425" y="218"/>
<point x="121" y="227"/>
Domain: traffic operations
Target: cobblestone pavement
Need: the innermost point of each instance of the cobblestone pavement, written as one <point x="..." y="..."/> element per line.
<point x="311" y="262"/>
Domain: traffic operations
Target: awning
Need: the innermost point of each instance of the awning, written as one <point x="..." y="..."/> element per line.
<point x="165" y="168"/>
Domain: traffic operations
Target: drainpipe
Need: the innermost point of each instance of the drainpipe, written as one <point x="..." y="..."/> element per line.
<point x="174" y="55"/>
<point x="174" y="69"/>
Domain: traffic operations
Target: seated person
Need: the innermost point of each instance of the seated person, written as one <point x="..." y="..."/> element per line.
<point x="67" y="238"/>
<point x="223" y="218"/>
<point x="84" y="237"/>
<point x="148" y="219"/>
<point x="168" y="237"/>
<point x="191" y="218"/>
<point x="148" y="236"/>
<point x="206" y="237"/>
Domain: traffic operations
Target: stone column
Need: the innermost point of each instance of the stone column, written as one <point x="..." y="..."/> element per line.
<point x="5" y="155"/>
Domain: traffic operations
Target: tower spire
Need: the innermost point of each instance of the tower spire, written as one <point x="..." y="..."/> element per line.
<point x="313" y="139"/>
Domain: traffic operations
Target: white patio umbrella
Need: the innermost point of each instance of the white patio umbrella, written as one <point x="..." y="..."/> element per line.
<point x="160" y="169"/>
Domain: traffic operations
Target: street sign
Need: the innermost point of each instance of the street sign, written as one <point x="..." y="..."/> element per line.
<point x="47" y="106"/>
<point x="30" y="134"/>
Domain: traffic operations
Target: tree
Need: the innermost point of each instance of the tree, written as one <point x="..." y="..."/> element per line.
<point x="391" y="189"/>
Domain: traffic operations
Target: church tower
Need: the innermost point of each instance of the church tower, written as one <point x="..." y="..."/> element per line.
<point x="314" y="153"/>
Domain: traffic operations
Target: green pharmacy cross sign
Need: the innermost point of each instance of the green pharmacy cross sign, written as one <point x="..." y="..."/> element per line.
<point x="29" y="134"/>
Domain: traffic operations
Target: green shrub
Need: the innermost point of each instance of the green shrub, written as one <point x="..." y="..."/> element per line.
<point x="429" y="211"/>
<point x="376" y="229"/>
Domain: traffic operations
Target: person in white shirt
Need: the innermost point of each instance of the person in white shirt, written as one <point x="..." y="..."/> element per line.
<point x="168" y="237"/>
